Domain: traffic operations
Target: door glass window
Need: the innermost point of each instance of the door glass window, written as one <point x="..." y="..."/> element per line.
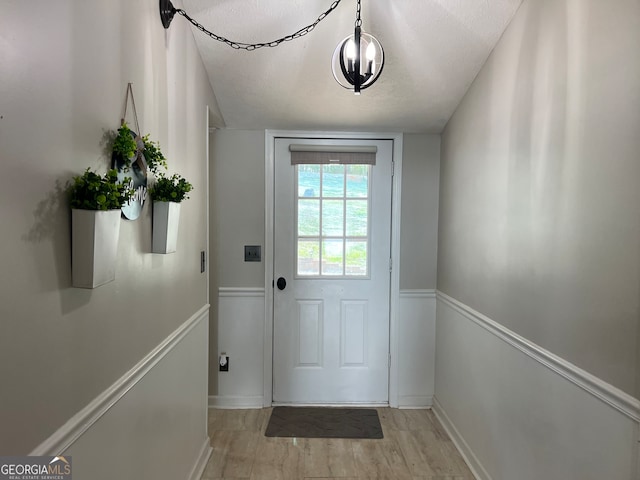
<point x="332" y="220"/>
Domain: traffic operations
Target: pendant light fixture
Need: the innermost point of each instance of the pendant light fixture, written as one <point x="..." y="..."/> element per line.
<point x="358" y="60"/>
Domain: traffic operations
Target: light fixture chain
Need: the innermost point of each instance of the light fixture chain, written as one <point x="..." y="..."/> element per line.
<point x="358" y="19"/>
<point x="274" y="43"/>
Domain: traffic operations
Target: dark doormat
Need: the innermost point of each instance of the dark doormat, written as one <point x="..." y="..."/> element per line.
<point x="323" y="422"/>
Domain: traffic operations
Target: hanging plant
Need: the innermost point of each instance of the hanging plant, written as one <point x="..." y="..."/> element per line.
<point x="153" y="155"/>
<point x="124" y="145"/>
<point x="170" y="189"/>
<point x="90" y="191"/>
<point x="167" y="193"/>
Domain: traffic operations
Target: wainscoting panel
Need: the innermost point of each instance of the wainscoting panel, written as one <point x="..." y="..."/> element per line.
<point x="241" y="332"/>
<point x="241" y="336"/>
<point x="416" y="352"/>
<point x="151" y="423"/>
<point x="517" y="411"/>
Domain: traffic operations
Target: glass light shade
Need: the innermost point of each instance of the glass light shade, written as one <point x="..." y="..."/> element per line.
<point x="371" y="59"/>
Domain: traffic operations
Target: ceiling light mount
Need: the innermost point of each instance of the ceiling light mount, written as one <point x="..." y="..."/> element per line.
<point x="358" y="60"/>
<point x="167" y="11"/>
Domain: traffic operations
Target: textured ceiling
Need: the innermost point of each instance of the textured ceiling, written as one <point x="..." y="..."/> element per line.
<point x="433" y="51"/>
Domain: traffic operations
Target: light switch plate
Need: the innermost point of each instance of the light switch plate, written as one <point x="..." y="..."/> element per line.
<point x="252" y="253"/>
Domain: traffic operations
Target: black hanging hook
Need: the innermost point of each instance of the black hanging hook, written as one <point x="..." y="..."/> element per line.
<point x="167" y="11"/>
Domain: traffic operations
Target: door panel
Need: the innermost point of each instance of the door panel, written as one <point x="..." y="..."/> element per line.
<point x="309" y="333"/>
<point x="332" y="245"/>
<point x="353" y="333"/>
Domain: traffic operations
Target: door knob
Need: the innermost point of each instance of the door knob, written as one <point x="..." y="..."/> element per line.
<point x="281" y="283"/>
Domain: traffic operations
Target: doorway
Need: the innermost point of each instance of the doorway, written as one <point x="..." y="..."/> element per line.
<point x="330" y="311"/>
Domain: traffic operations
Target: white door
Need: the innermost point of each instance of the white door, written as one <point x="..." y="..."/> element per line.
<point x="332" y="248"/>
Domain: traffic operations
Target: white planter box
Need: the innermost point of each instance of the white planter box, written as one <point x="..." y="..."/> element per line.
<point x="94" y="246"/>
<point x="166" y="217"/>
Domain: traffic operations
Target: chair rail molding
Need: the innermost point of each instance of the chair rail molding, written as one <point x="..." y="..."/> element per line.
<point x="82" y="421"/>
<point x="241" y="292"/>
<point x="161" y="401"/>
<point x="600" y="389"/>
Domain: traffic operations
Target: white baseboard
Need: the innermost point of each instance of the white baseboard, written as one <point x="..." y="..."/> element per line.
<point x="415" y="401"/>
<point x="235" y="401"/>
<point x="458" y="440"/>
<point x="201" y="462"/>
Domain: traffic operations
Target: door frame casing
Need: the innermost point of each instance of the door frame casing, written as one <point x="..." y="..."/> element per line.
<point x="268" y="254"/>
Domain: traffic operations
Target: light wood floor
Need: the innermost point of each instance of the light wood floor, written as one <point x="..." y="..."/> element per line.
<point x="415" y="446"/>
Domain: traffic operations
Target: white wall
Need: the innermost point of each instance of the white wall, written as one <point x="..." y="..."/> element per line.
<point x="417" y="352"/>
<point x="539" y="222"/>
<point x="64" y="69"/>
<point x="538" y="236"/>
<point x="418" y="269"/>
<point x="237" y="219"/>
<point x="238" y="204"/>
<point x="237" y="213"/>
<point x="517" y="411"/>
<point x="241" y="336"/>
<point x="155" y="428"/>
<point x="420" y="192"/>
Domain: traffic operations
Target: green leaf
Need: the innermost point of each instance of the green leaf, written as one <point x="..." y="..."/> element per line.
<point x="170" y="189"/>
<point x="90" y="191"/>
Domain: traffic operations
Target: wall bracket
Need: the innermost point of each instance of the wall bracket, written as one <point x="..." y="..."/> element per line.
<point x="167" y="11"/>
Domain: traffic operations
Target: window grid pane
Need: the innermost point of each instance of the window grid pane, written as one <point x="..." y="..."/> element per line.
<point x="309" y="181"/>
<point x="332" y="218"/>
<point x="308" y="257"/>
<point x="357" y="181"/>
<point x="356" y="257"/>
<point x="333" y="177"/>
<point x="332" y="257"/>
<point x="332" y="215"/>
<point x="356" y="218"/>
<point x="308" y="217"/>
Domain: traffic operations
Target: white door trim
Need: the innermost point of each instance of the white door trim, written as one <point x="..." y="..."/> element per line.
<point x="270" y="136"/>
